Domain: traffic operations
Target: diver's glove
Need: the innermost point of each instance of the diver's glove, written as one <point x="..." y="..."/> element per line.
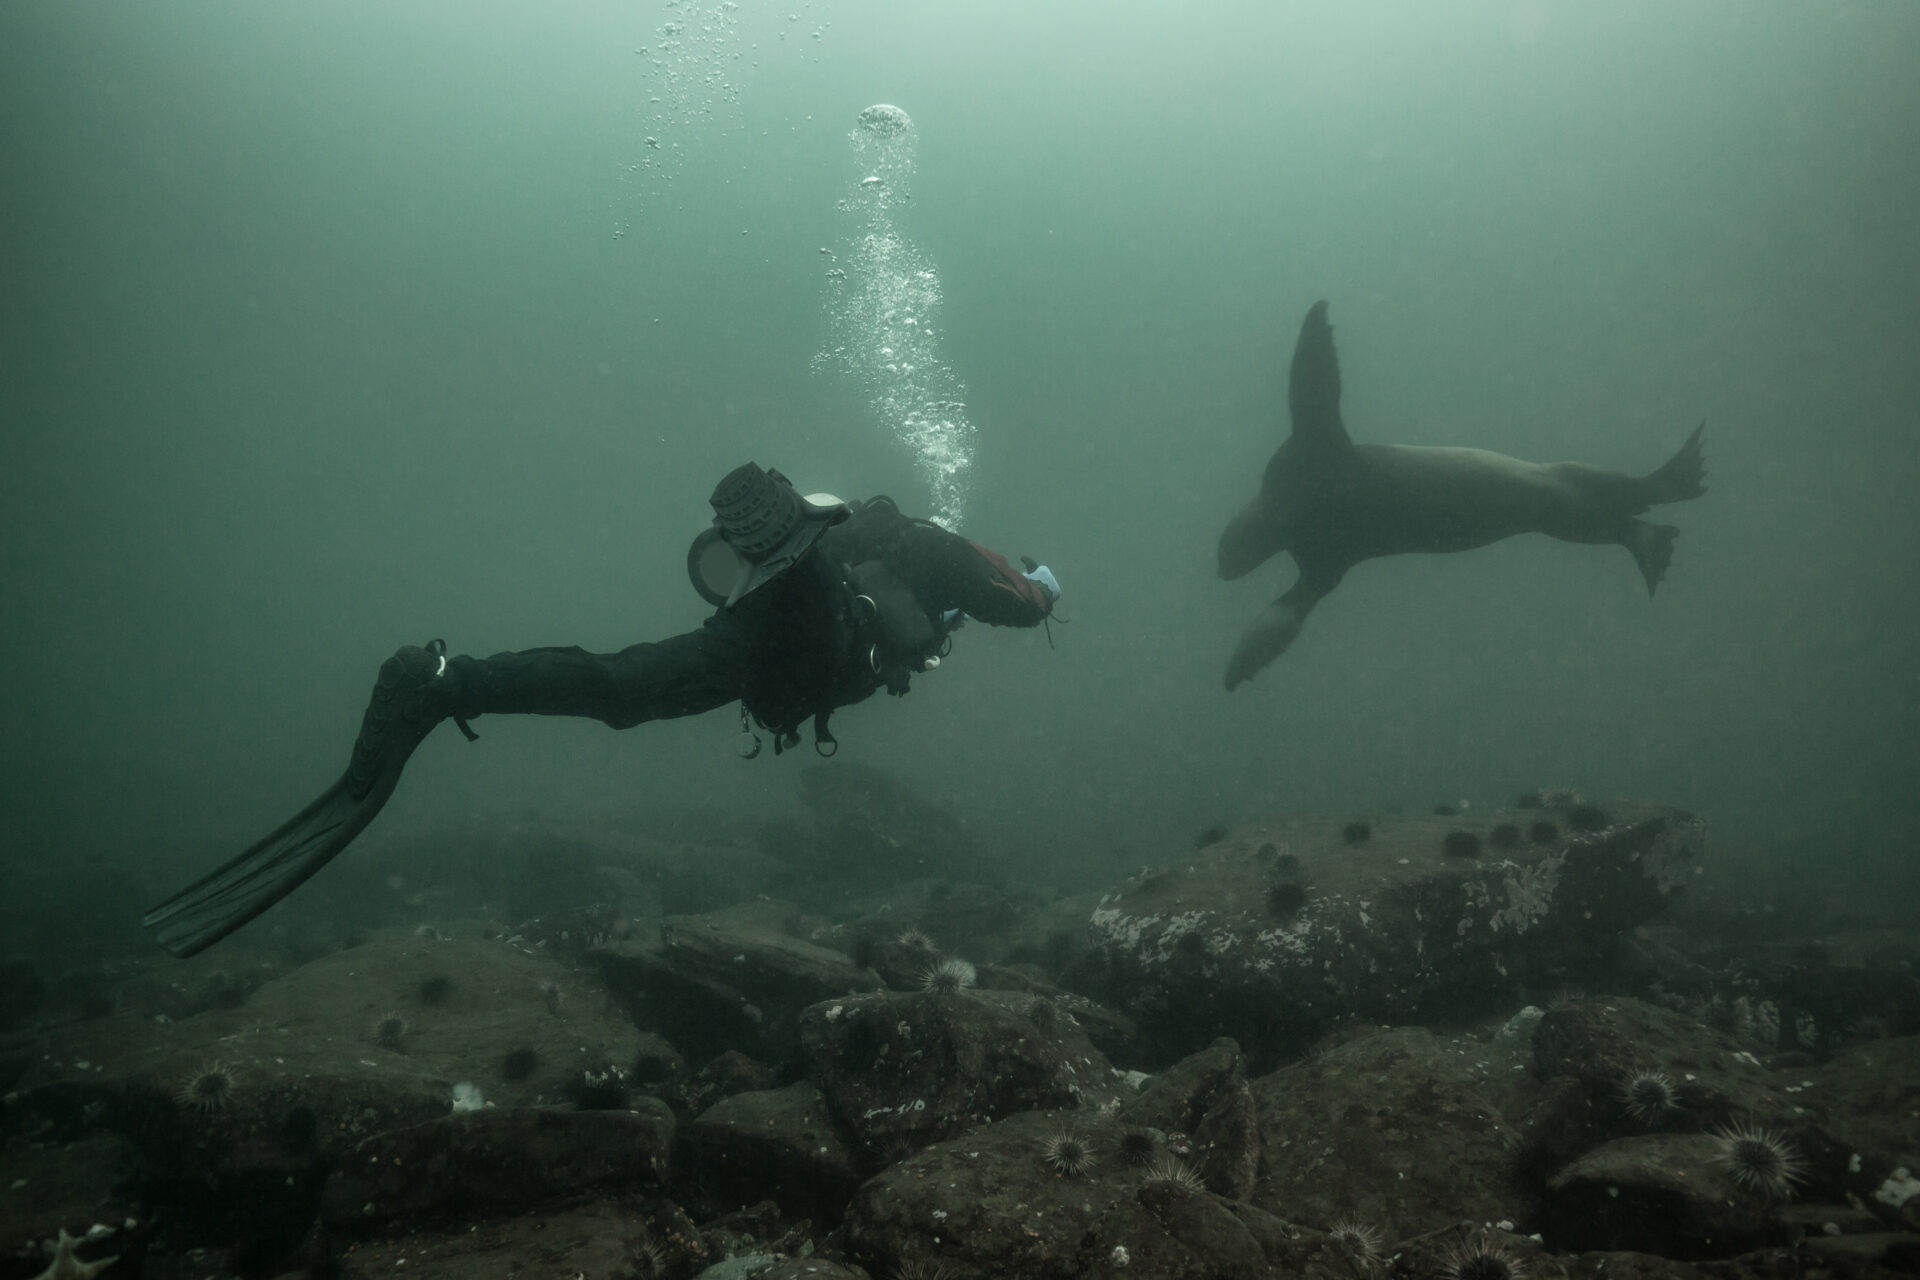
<point x="1044" y="576"/>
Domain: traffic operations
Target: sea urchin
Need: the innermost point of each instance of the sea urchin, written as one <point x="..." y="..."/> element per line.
<point x="1649" y="1097"/>
<point x="1481" y="1258"/>
<point x="1169" y="1169"/>
<point x="1137" y="1145"/>
<point x="208" y="1090"/>
<point x="947" y="977"/>
<point x="391" y="1032"/>
<point x="1361" y="1239"/>
<point x="1760" y="1160"/>
<point x="1070" y="1154"/>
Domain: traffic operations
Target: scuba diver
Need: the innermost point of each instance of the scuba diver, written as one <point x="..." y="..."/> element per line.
<point x="819" y="603"/>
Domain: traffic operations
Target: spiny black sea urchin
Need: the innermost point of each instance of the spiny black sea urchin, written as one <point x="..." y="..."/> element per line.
<point x="1760" y="1160"/>
<point x="391" y="1032"/>
<point x="924" y="1269"/>
<point x="1070" y="1154"/>
<point x="1649" y="1097"/>
<point x="947" y="977"/>
<point x="1137" y="1145"/>
<point x="1168" y="1169"/>
<point x="1361" y="1239"/>
<point x="208" y="1090"/>
<point x="1481" y="1258"/>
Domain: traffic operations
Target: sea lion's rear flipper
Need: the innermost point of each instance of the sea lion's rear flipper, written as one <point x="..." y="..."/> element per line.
<point x="1652" y="547"/>
<point x="1682" y="476"/>
<point x="1313" y="387"/>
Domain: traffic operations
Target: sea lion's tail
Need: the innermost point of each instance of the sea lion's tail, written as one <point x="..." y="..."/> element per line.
<point x="1652" y="547"/>
<point x="1681" y="476"/>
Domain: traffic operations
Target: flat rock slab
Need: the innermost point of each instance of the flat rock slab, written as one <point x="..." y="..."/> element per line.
<point x="236" y="1114"/>
<point x="64" y="1186"/>
<point x="497" y="1161"/>
<point x="1400" y="1129"/>
<point x="991" y="1204"/>
<point x="458" y="1007"/>
<point x="717" y="983"/>
<point x="608" y="1238"/>
<point x="1273" y="931"/>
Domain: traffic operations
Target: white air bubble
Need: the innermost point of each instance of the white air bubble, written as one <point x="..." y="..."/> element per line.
<point x="881" y="318"/>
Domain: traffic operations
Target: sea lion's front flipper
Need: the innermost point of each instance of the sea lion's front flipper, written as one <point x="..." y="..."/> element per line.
<point x="1254" y="534"/>
<point x="1313" y="388"/>
<point x="1280" y="622"/>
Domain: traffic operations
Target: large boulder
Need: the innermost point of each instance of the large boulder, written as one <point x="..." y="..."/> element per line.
<point x="773" y="1144"/>
<point x="1275" y="930"/>
<point x="1006" y="1201"/>
<point x="734" y="980"/>
<point x="1400" y="1129"/>
<point x="499" y="1161"/>
<point x="1669" y="1194"/>
<point x="901" y="1071"/>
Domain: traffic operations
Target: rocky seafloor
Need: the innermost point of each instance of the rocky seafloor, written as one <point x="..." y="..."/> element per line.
<point x="1441" y="1045"/>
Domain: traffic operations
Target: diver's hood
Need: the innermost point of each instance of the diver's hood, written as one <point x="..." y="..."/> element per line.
<point x="722" y="573"/>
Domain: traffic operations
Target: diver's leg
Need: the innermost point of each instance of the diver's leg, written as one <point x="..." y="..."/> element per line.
<point x="681" y="676"/>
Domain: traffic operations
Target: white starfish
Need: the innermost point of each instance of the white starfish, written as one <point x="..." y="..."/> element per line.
<point x="67" y="1267"/>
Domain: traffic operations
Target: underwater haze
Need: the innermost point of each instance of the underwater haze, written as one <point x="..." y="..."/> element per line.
<point x="330" y="328"/>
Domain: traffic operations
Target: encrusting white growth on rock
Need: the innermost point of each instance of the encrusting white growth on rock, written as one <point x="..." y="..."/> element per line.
<point x="1900" y="1187"/>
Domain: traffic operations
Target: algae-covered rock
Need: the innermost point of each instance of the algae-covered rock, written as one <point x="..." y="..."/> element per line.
<point x="499" y="1161"/>
<point x="729" y="980"/>
<point x="1398" y="1128"/>
<point x="1277" y="929"/>
<point x="773" y="1144"/>
<point x="1668" y="1194"/>
<point x="901" y="1071"/>
<point x="1001" y="1202"/>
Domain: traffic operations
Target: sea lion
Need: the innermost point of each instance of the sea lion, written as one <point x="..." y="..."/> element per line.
<point x="1332" y="503"/>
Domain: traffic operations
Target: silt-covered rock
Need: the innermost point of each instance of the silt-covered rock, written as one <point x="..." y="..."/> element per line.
<point x="1272" y="932"/>
<point x="901" y="1071"/>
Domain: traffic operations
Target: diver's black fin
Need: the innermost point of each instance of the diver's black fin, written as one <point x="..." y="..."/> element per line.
<point x="1313" y="388"/>
<point x="409" y="699"/>
<point x="216" y="904"/>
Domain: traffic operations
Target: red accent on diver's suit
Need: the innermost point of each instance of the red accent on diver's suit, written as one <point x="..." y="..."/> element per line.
<point x="1010" y="580"/>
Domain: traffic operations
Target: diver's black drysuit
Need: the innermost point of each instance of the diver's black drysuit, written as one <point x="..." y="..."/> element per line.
<point x="865" y="607"/>
<point x="801" y="646"/>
